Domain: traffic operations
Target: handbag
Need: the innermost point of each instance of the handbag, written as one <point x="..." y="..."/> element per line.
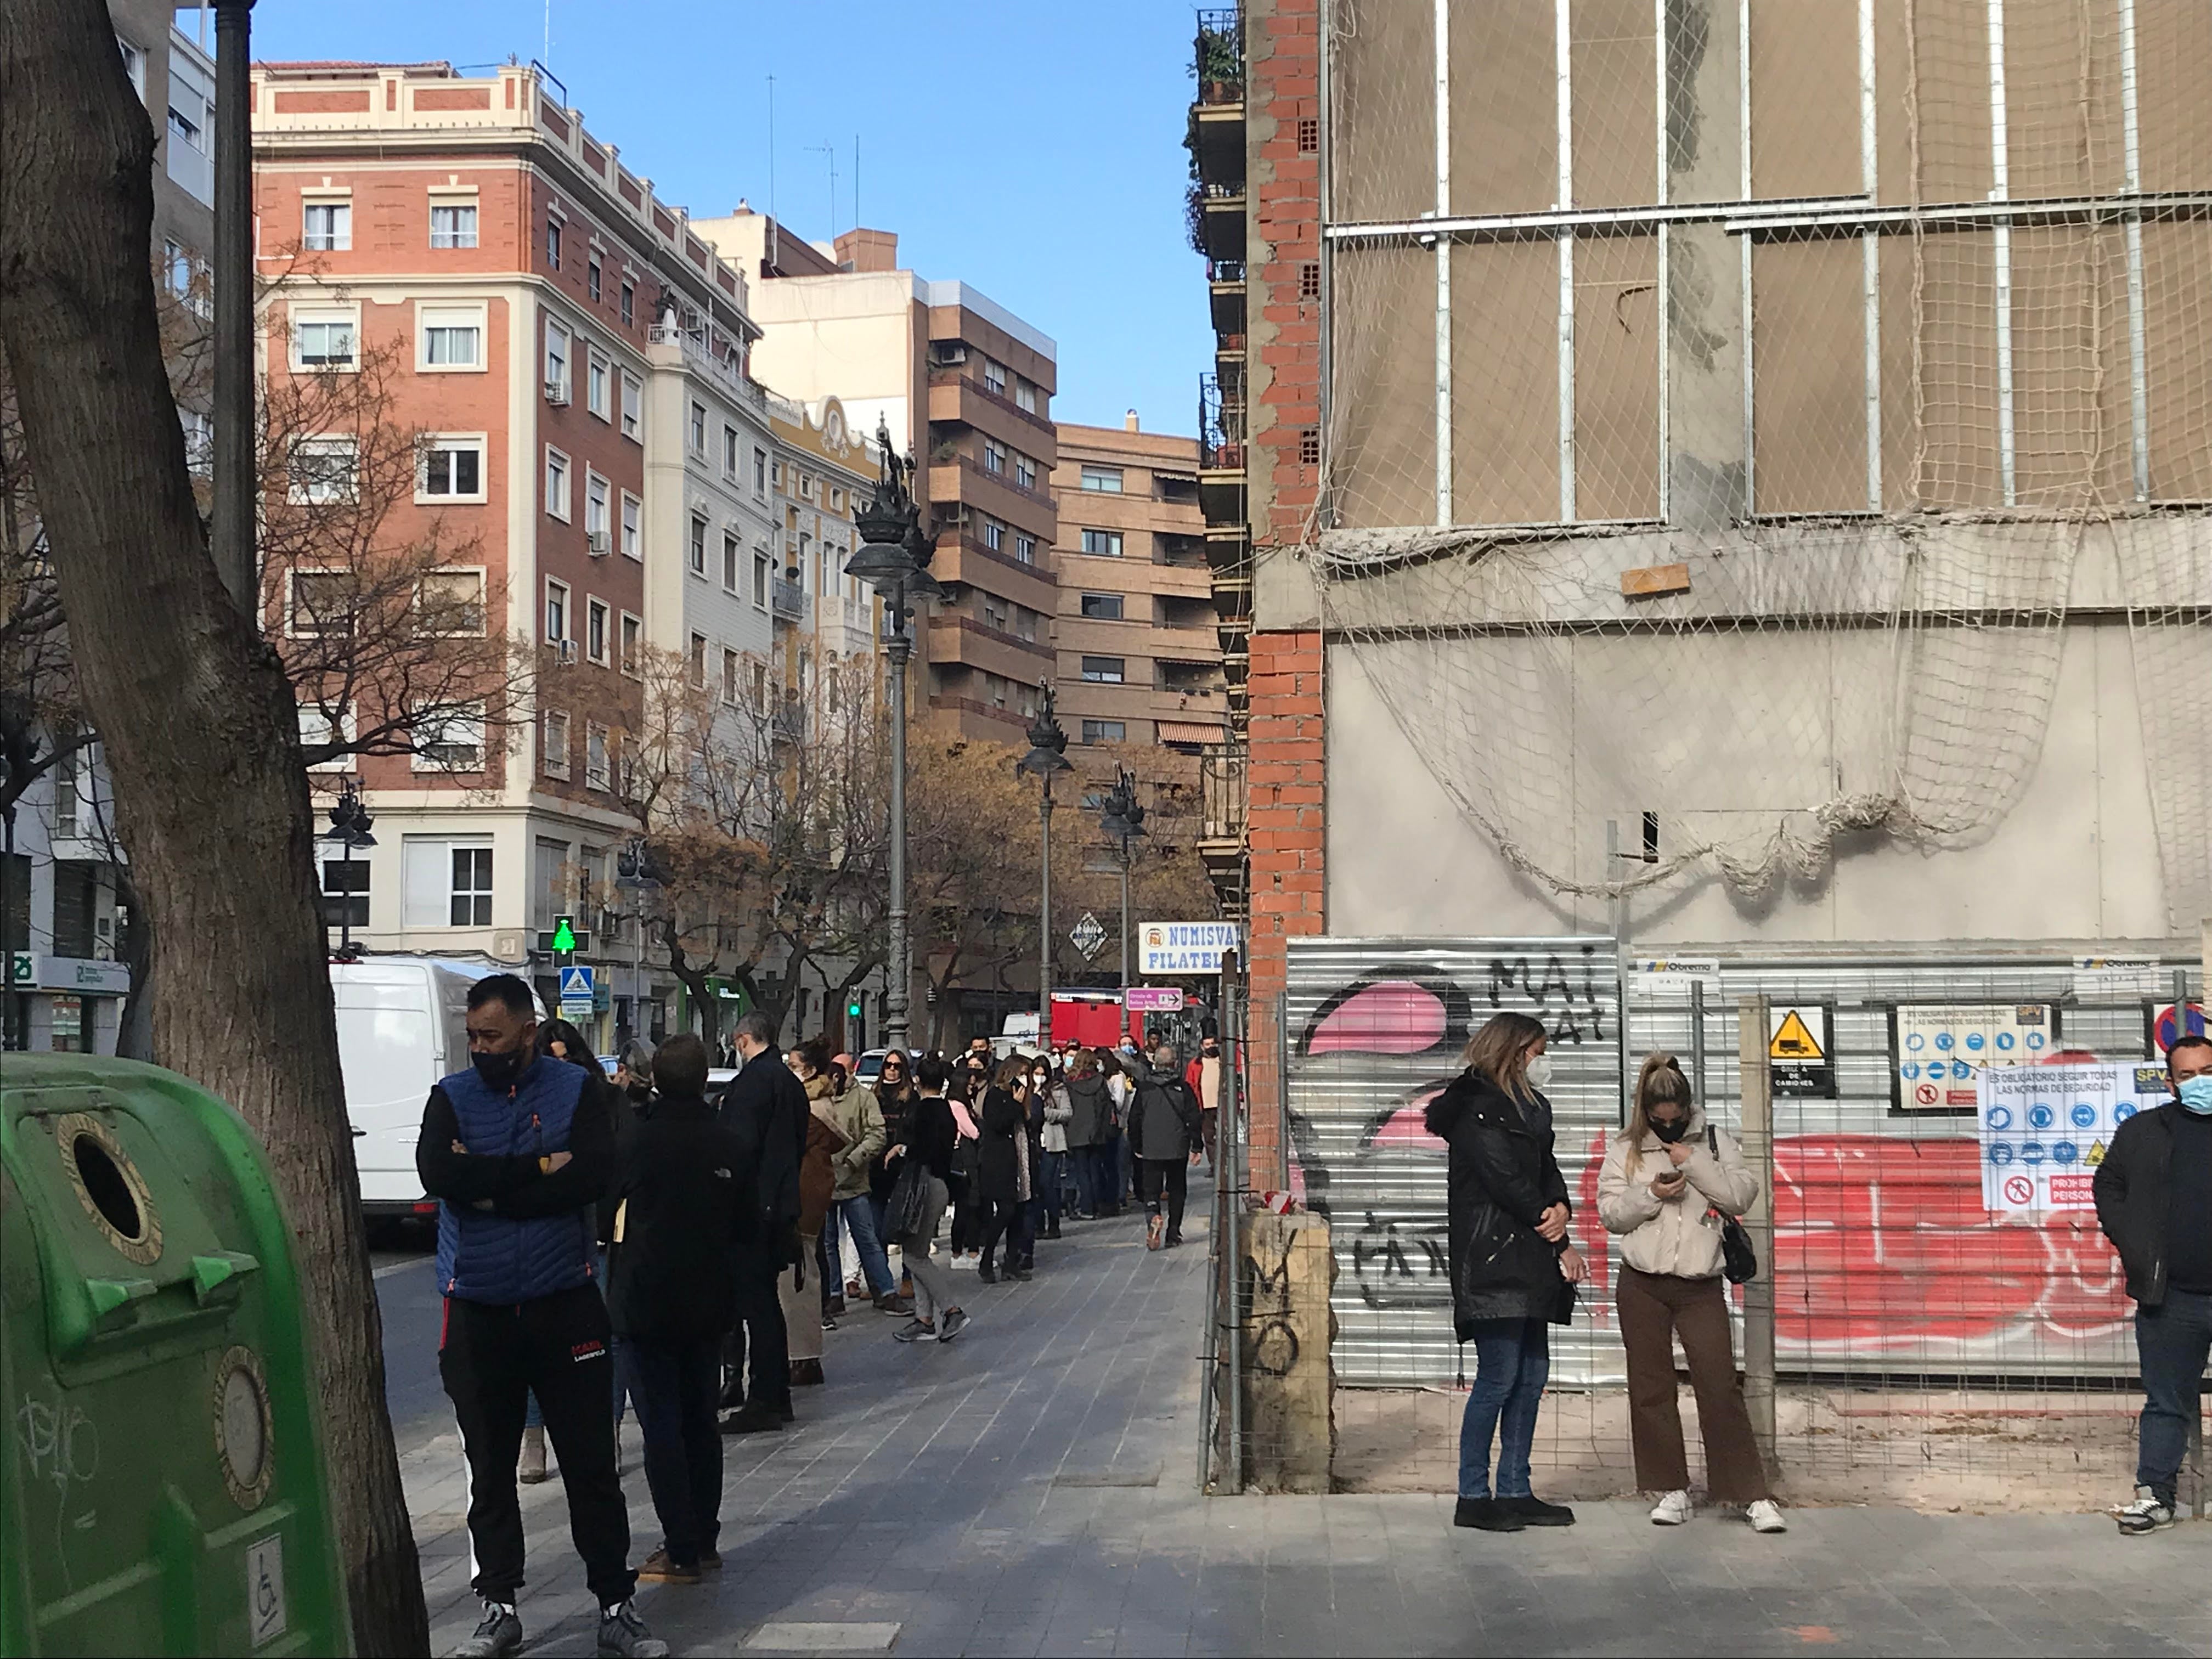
<point x="1738" y="1256"/>
<point x="907" y="1203"/>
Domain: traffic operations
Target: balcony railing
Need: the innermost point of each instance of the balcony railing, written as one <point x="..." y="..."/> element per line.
<point x="1225" y="270"/>
<point x="1221" y="794"/>
<point x="1218" y="56"/>
<point x="1220" y="426"/>
<point x="788" y="599"/>
<point x="696" y="349"/>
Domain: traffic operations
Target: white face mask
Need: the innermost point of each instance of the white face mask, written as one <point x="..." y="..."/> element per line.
<point x="1540" y="1071"/>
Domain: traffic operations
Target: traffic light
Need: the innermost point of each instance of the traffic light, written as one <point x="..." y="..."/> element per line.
<point x="853" y="1008"/>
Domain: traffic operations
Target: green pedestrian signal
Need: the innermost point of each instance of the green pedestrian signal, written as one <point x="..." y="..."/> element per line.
<point x="564" y="934"/>
<point x="853" y="1009"/>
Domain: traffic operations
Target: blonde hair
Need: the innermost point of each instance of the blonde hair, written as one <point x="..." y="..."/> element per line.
<point x="1660" y="1081"/>
<point x="1498" y="1053"/>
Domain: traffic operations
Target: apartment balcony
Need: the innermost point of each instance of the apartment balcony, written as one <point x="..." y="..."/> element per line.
<point x="787" y="601"/>
<point x="1224" y="280"/>
<point x="1217" y="117"/>
<point x="1232" y="599"/>
<point x="1221" y="220"/>
<point x="958" y="397"/>
<point x="787" y="723"/>
<point x="694" y="353"/>
<point x="958" y="480"/>
<point x="1221" y="456"/>
<point x="1223" y="801"/>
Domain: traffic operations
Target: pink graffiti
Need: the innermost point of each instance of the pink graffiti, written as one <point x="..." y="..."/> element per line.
<point x="1390" y="1017"/>
<point x="1408" y="1126"/>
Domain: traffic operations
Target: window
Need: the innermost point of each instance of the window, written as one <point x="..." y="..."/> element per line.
<point x="760" y="685"/>
<point x="628" y="302"/>
<point x="200" y="439"/>
<point x="1102" y="543"/>
<point x="806" y="486"/>
<point x="994" y="456"/>
<point x="1106" y="480"/>
<point x="553" y="243"/>
<point x="591" y="278"/>
<point x="451" y="338"/>
<point x="633" y="646"/>
<point x="323" y="339"/>
<point x="321" y="471"/>
<point x="729" y="676"/>
<point x="134" y="65"/>
<point x="451" y="739"/>
<point x="698" y="545"/>
<point x="697" y="661"/>
<point x="730" y="453"/>
<point x="633" y="541"/>
<point x="1102" y="607"/>
<point x="556" y="612"/>
<point x="1025" y="547"/>
<point x="994" y="377"/>
<point x="599" y="767"/>
<point x="1105" y="671"/>
<point x="318" y="730"/>
<point x="446" y="883"/>
<point x="1310" y="136"/>
<point x="326" y="228"/>
<point x="995" y="535"/>
<point x="1309" y="280"/>
<point x="556" y="484"/>
<point x="595" y="504"/>
<point x="633" y="396"/>
<point x="760" y="580"/>
<point x="595" y="386"/>
<point x="557" y="362"/>
<point x="345" y="892"/>
<point x="190" y="153"/>
<point x="321" y="604"/>
<point x="1024" y="471"/>
<point x="453" y="224"/>
<point x="595" y="630"/>
<point x="553" y="744"/>
<point x="995" y="613"/>
<point x="698" y="430"/>
<point x="760" y="472"/>
<point x="730" y="552"/>
<point x="837" y="499"/>
<point x="186" y="275"/>
<point x="1026" y="396"/>
<point x="1105" y="731"/>
<point x="450" y="603"/>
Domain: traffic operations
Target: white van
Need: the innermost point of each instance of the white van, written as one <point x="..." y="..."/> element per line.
<point x="402" y="1026"/>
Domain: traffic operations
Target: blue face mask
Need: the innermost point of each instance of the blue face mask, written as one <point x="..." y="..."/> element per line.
<point x="2197" y="1095"/>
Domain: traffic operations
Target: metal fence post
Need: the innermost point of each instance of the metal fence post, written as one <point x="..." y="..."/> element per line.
<point x="1228" y="1186"/>
<point x="1282" y="1091"/>
<point x="2192" y="1464"/>
<point x="1756" y="1126"/>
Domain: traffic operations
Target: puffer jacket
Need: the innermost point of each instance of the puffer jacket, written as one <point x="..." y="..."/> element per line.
<point x="818" y="1175"/>
<point x="1677" y="1237"/>
<point x="856" y="1116"/>
<point x="1501" y="1178"/>
<point x="1089" y="1122"/>
<point x="1058" y="1113"/>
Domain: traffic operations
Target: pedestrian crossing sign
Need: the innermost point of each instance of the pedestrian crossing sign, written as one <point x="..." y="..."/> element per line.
<point x="576" y="988"/>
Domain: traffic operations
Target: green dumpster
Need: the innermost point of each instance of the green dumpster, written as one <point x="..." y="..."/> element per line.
<point x="164" y="1489"/>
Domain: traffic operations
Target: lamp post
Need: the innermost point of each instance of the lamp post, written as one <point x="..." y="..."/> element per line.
<point x="893" y="558"/>
<point x="634" y="874"/>
<point x="349" y="827"/>
<point x="1123" y="820"/>
<point x="1048" y="755"/>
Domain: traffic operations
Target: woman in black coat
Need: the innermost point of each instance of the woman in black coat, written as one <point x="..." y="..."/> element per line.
<point x="1513" y="1269"/>
<point x="1000" y="1112"/>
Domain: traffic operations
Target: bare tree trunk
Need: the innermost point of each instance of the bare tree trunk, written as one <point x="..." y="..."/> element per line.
<point x="199" y="721"/>
<point x="134" y="1035"/>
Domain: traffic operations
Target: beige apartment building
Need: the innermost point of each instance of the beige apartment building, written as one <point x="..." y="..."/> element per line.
<point x="966" y="386"/>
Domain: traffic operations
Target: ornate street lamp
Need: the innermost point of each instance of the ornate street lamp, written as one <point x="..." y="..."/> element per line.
<point x="349" y="826"/>
<point x="1122" y="818"/>
<point x="893" y="558"/>
<point x="1048" y="755"/>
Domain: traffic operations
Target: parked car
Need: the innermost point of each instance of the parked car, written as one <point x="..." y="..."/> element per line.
<point x="403" y="1024"/>
<point x="869" y="1066"/>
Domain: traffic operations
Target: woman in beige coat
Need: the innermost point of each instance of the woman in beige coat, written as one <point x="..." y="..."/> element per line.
<point x="1666" y="1180"/>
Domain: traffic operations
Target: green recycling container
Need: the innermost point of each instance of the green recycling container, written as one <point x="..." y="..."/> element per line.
<point x="165" y="1490"/>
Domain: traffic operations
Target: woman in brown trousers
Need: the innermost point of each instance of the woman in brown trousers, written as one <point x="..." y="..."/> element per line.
<point x="1668" y="1180"/>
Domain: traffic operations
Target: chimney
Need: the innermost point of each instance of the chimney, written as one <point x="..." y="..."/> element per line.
<point x="861" y="249"/>
<point x="1129" y="421"/>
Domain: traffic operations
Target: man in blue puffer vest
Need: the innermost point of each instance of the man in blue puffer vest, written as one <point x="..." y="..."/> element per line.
<point x="520" y="1151"/>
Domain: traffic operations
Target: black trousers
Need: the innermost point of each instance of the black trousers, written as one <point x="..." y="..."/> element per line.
<point x="1006" y="1218"/>
<point x="760" y="1348"/>
<point x="1171" y="1173"/>
<point x="672" y="1385"/>
<point x="492" y="1358"/>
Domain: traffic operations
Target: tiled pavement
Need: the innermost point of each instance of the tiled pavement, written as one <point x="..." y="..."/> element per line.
<point x="1029" y="1490"/>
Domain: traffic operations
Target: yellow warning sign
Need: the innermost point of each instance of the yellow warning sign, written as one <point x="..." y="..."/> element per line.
<point x="1794" y="1040"/>
<point x="2096" y="1155"/>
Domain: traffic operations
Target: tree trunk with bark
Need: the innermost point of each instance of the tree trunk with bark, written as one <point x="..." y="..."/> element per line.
<point x="198" y="723"/>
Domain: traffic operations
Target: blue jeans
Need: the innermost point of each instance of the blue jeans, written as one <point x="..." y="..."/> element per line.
<point x="2173" y="1342"/>
<point x="1044" y="1206"/>
<point x="860" y="1214"/>
<point x="1512" y="1359"/>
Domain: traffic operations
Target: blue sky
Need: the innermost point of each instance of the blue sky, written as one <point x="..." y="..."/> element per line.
<point x="1034" y="150"/>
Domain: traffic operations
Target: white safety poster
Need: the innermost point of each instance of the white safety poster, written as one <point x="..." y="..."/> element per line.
<point x="1940" y="1049"/>
<point x="2045" y="1129"/>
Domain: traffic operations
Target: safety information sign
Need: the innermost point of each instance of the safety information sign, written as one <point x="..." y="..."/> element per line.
<point x="1798" y="1060"/>
<point x="2046" y="1128"/>
<point x="1940" y="1047"/>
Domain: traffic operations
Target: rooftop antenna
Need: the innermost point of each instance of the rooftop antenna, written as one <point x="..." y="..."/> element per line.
<point x="856" y="181"/>
<point x="546" y="55"/>
<point x="829" y="150"/>
<point x="775" y="227"/>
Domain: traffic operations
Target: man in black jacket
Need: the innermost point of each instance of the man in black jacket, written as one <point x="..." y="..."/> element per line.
<point x="765" y="1106"/>
<point x="1164" y="1134"/>
<point x="2153" y="1195"/>
<point x="683" y="1195"/>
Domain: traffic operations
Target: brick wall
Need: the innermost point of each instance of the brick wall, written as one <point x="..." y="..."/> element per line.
<point x="1285" y="837"/>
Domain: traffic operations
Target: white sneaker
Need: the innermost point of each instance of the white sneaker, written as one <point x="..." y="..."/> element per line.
<point x="1765" y="1517"/>
<point x="1671" y="1511"/>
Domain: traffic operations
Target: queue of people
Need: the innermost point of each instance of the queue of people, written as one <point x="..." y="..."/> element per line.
<point x="620" y="1243"/>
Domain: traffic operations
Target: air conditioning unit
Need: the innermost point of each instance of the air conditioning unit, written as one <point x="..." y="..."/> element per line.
<point x="565" y="650"/>
<point x="598" y="541"/>
<point x="556" y="393"/>
<point x="510" y="945"/>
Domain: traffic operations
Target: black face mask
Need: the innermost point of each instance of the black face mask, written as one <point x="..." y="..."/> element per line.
<point x="1671" y="1133"/>
<point x="499" y="1071"/>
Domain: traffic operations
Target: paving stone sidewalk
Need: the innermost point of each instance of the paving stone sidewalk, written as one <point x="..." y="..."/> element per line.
<point x="1029" y="1489"/>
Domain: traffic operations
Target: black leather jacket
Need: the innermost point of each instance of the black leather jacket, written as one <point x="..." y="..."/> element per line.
<point x="1502" y="1178"/>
